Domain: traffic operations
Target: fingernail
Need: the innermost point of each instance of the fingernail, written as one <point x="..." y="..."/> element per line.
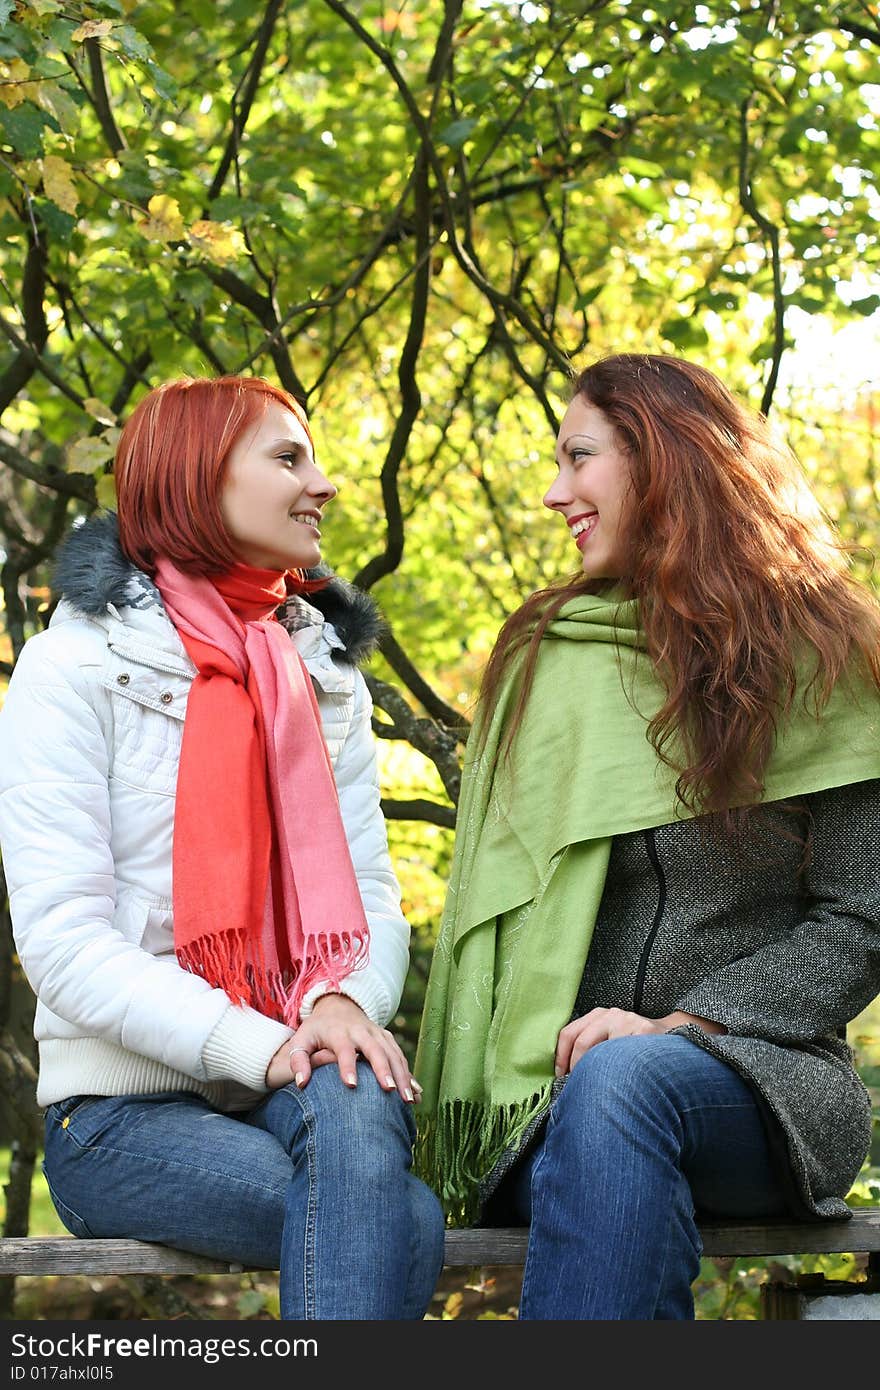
<point x="415" y="1085"/>
<point x="389" y="1080"/>
<point x="351" y="1079"/>
<point x="558" y="1071"/>
<point x="298" y="1078"/>
<point x="407" y="1094"/>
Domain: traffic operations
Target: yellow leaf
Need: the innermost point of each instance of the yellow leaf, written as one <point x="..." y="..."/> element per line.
<point x="58" y="183"/>
<point x="14" y="86"/>
<point x="42" y="7"/>
<point x="92" y="29"/>
<point x="30" y="171"/>
<point x="164" y="222"/>
<point x="453" y="1305"/>
<point x="88" y="455"/>
<point x="99" y="411"/>
<point x="105" y="491"/>
<point x="219" y="241"/>
<point x="405" y="25"/>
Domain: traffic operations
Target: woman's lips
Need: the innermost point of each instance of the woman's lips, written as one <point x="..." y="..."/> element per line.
<point x="582" y="527"/>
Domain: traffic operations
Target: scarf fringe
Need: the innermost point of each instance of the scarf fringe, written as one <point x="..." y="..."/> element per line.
<point x="457" y="1148"/>
<point x="222" y="960"/>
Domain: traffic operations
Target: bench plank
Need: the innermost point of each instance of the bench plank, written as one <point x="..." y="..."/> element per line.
<point x="473" y="1246"/>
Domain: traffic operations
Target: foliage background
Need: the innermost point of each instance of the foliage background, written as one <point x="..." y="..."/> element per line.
<point x="418" y="217"/>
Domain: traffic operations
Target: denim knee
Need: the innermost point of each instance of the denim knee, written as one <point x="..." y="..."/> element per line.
<point x="362" y="1126"/>
<point x="621" y="1077"/>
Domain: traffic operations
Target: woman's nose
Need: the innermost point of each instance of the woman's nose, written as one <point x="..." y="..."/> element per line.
<point x="556" y="495"/>
<point x="321" y="486"/>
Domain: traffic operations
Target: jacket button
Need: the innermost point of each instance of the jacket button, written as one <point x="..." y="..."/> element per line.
<point x="123" y="678"/>
<point x="166" y="697"/>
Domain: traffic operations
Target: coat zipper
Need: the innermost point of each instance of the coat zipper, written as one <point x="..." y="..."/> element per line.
<point x="152" y="665"/>
<point x="655" y="925"/>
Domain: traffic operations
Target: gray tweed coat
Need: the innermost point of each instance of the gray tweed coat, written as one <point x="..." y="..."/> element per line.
<point x="776" y="936"/>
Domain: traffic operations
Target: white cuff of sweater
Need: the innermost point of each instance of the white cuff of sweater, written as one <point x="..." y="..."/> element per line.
<point x="363" y="986"/>
<point x="242" y="1046"/>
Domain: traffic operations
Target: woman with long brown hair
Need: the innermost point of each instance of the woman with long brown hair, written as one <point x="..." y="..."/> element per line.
<point x="198" y="872"/>
<point x="664" y="907"/>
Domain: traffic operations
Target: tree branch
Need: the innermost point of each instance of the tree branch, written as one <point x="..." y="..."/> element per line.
<point x="470" y="268"/>
<point x="22" y="367"/>
<point x="420" y="809"/>
<point x="133" y="370"/>
<point x="397" y="659"/>
<point x="411" y="397"/>
<point x="34" y="360"/>
<point x="50" y="475"/>
<point x="859" y="31"/>
<point x="331" y="300"/>
<point x="771" y="231"/>
<point x="251" y="82"/>
<point x="359" y="322"/>
<point x="438" y="744"/>
<point x="100" y="98"/>
<point x="264" y="311"/>
<point x="18" y="1077"/>
<point x="134" y="373"/>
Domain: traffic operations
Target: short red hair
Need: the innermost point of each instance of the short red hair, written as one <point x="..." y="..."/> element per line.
<point x="170" y="463"/>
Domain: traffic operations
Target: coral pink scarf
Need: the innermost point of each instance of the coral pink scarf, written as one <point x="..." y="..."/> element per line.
<point x="266" y="902"/>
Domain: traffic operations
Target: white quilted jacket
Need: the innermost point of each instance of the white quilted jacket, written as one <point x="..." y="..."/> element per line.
<point x="90" y="738"/>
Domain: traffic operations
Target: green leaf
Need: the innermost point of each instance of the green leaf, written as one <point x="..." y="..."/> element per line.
<point x="684" y="333"/>
<point x="249" y="1302"/>
<point x="131" y="42"/>
<point x="64" y="104"/>
<point x="586" y="298"/>
<point x="163" y="81"/>
<point x="457" y="133"/>
<point x="867" y="305"/>
<point x="810" y="303"/>
<point x="648" y="199"/>
<point x="6" y="8"/>
<point x="105" y="491"/>
<point x="137" y="181"/>
<point x="45" y="66"/>
<point x="24" y="128"/>
<point x="478" y="90"/>
<point x="232" y="209"/>
<point x="719" y="300"/>
<point x="642" y="168"/>
<point x="58" y="224"/>
<point x="60" y="33"/>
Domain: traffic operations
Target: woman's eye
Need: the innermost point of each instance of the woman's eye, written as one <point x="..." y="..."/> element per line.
<point x="292" y="459"/>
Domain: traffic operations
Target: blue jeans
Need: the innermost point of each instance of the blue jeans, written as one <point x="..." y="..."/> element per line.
<point x="645" y="1130"/>
<point x="315" y="1183"/>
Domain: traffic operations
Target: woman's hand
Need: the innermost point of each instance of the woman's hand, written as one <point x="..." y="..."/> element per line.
<point x="599" y="1025"/>
<point x="336" y="1031"/>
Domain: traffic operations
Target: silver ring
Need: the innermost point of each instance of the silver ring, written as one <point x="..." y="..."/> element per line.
<point x="298" y="1049"/>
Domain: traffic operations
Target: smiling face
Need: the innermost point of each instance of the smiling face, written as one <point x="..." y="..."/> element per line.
<point x="274" y="493"/>
<point x="593" y="490"/>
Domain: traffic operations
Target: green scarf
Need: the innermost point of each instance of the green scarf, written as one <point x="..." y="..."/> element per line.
<point x="533" y="839"/>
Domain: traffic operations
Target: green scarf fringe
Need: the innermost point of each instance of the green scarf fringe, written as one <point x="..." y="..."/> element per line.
<point x="459" y="1146"/>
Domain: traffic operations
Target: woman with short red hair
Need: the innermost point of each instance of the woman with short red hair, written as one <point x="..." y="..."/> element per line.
<point x="199" y="878"/>
<point x="664" y="905"/>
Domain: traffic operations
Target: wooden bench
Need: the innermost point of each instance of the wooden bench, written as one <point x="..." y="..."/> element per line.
<point x="474" y="1246"/>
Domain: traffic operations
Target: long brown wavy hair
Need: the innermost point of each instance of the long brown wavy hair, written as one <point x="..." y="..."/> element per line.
<point x="739" y="577"/>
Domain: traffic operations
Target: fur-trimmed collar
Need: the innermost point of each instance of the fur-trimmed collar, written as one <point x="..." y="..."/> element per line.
<point x="91" y="571"/>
